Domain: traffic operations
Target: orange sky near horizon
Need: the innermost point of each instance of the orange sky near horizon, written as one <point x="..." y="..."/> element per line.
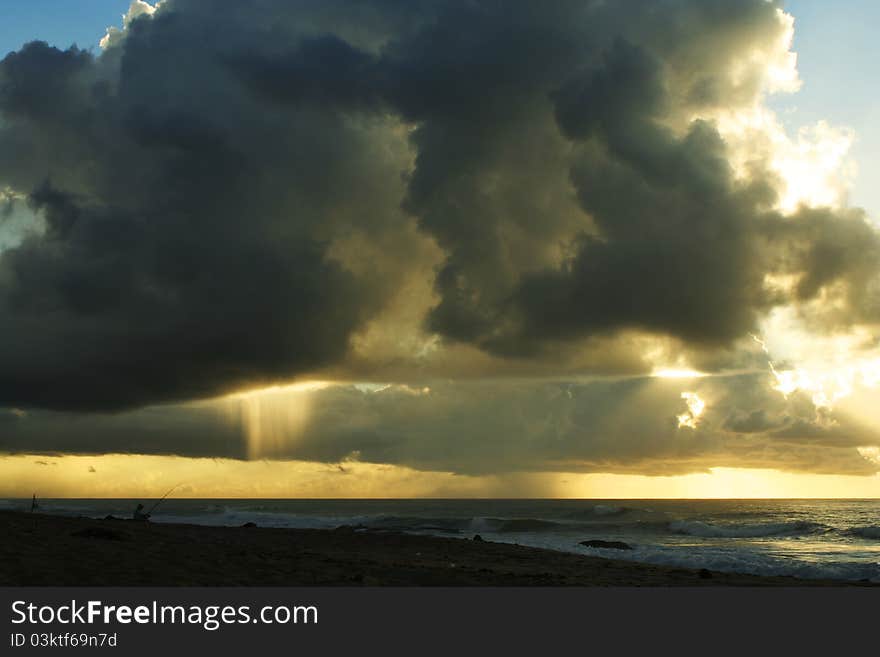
<point x="139" y="476"/>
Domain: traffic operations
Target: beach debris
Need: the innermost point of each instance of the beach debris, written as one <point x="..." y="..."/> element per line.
<point x="705" y="574"/>
<point x="609" y="545"/>
<point x="478" y="538"/>
<point x="249" y="525"/>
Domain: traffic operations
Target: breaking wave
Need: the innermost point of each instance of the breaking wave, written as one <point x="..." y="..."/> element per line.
<point x="756" y="530"/>
<point x="871" y="531"/>
<point x="733" y="560"/>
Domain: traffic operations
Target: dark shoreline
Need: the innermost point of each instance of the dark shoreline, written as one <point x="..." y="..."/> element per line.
<point x="46" y="550"/>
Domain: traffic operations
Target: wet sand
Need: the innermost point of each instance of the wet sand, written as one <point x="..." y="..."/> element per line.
<point x="44" y="550"/>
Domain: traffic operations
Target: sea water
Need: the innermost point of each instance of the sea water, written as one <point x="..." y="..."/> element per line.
<point x="806" y="538"/>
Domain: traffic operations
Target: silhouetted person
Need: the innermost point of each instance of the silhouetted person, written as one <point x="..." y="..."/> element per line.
<point x="139" y="513"/>
<point x="34" y="505"/>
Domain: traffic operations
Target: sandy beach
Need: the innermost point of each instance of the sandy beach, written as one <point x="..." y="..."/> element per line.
<point x="45" y="550"/>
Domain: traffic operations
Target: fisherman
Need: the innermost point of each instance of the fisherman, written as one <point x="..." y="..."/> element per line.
<point x="140" y="514"/>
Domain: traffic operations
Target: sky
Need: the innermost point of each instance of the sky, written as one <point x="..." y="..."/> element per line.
<point x="404" y="249"/>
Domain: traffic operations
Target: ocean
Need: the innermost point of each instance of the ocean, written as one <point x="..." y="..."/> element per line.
<point x="806" y="538"/>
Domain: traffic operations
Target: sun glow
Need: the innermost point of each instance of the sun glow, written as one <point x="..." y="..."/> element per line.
<point x="827" y="384"/>
<point x="870" y="453"/>
<point x="815" y="168"/>
<point x="672" y="373"/>
<point x="730" y="483"/>
<point x="695" y="408"/>
<point x="827" y="368"/>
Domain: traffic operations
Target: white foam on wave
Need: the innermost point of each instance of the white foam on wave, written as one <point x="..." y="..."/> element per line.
<point x="483" y="524"/>
<point x="757" y="530"/>
<point x="735" y="560"/>
<point x="720" y="558"/>
<point x="607" y="510"/>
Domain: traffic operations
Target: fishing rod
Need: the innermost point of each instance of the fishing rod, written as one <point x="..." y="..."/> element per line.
<point x="162" y="499"/>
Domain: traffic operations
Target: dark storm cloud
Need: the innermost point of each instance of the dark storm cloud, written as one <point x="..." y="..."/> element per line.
<point x="832" y="249"/>
<point x="199" y="179"/>
<point x="183" y="252"/>
<point x="680" y="248"/>
<point x="35" y="77"/>
<point x="324" y="71"/>
<point x="191" y="431"/>
<point x="661" y="236"/>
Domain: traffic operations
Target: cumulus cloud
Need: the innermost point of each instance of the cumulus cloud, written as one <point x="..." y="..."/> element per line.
<point x="188" y="229"/>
